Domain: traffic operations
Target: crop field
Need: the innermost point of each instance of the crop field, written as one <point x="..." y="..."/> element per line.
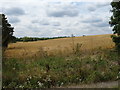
<point x="60" y="62"/>
<point x="63" y="46"/>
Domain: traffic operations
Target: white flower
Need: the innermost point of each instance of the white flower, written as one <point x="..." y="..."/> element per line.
<point x="27" y="78"/>
<point x="49" y="79"/>
<point x="30" y="77"/>
<point x="40" y="84"/>
<point x="118" y="77"/>
<point x="62" y="83"/>
<point x="13" y="68"/>
<point x="21" y="86"/>
<point x="80" y="79"/>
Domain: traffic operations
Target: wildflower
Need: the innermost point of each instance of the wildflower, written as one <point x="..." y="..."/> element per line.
<point x="44" y="72"/>
<point x="13" y="68"/>
<point x="21" y="86"/>
<point x="117" y="77"/>
<point x="40" y="84"/>
<point x="49" y="79"/>
<point x="80" y="79"/>
<point x="27" y="79"/>
<point x="62" y="83"/>
<point x="30" y="77"/>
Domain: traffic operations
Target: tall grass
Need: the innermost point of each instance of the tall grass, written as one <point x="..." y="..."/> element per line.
<point x="54" y="71"/>
<point x="57" y="66"/>
<point x="63" y="47"/>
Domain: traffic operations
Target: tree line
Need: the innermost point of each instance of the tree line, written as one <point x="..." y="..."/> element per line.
<point x="27" y="39"/>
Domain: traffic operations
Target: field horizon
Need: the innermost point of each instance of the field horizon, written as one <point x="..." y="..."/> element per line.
<point x="62" y="45"/>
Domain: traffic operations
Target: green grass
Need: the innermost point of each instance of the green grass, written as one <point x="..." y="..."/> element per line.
<point x="59" y="71"/>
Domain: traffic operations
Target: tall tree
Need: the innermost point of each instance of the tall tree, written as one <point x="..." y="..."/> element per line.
<point x="115" y="23"/>
<point x="7" y="32"/>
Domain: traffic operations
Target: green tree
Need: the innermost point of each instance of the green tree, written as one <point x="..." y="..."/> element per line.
<point x="7" y="32"/>
<point x="115" y="23"/>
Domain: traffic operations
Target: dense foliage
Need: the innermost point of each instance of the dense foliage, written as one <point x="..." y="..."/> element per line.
<point x="27" y="39"/>
<point x="115" y="23"/>
<point x="7" y="32"/>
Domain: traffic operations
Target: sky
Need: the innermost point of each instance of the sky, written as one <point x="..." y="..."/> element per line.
<point x="51" y="18"/>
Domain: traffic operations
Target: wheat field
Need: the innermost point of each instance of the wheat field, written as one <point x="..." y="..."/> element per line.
<point x="63" y="46"/>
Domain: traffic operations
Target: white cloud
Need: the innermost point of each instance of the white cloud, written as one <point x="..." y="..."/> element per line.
<point x="14" y="20"/>
<point x="62" y="9"/>
<point x="46" y="19"/>
<point x="16" y="11"/>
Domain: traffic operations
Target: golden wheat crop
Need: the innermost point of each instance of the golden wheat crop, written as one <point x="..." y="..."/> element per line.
<point x="63" y="46"/>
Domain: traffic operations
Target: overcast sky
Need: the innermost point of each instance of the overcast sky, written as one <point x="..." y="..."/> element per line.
<point x="49" y="18"/>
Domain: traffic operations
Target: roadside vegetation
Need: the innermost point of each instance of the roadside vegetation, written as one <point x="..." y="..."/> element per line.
<point x="48" y="71"/>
